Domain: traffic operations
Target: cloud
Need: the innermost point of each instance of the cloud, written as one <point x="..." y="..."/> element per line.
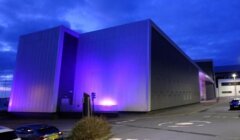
<point x="7" y="60"/>
<point x="202" y="28"/>
<point x="5" y="47"/>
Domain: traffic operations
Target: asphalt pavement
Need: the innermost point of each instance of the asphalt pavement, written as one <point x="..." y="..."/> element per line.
<point x="208" y="120"/>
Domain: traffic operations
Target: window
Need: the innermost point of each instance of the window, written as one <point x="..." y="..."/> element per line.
<point x="226" y="92"/>
<point x="230" y="83"/>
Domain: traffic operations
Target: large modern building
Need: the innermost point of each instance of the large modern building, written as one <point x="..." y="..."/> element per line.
<point x="131" y="67"/>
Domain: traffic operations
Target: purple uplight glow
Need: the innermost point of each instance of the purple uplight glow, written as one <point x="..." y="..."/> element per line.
<point x="107" y="102"/>
<point x="114" y="64"/>
<point x="203" y="78"/>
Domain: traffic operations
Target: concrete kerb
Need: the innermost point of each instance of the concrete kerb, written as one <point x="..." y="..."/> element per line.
<point x="207" y="105"/>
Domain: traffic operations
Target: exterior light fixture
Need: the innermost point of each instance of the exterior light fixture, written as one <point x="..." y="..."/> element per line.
<point x="234" y="75"/>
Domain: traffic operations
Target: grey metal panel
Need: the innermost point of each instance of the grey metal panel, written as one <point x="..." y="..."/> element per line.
<point x="174" y="79"/>
<point x="210" y="91"/>
<point x="34" y="78"/>
<point x="114" y="64"/>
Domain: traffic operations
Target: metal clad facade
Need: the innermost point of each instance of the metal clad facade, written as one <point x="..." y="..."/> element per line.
<point x="174" y="79"/>
<point x="132" y="67"/>
<point x="34" y="78"/>
<point x="114" y="64"/>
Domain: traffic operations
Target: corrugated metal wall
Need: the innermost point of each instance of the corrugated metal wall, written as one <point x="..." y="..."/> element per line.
<point x="113" y="63"/>
<point x="33" y="85"/>
<point x="174" y="79"/>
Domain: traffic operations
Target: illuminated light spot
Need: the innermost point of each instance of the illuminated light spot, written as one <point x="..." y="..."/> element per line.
<point x="107" y="103"/>
<point x="10" y="103"/>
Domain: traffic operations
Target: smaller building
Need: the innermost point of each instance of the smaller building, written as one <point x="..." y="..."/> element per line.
<point x="227" y="85"/>
<point x="207" y="77"/>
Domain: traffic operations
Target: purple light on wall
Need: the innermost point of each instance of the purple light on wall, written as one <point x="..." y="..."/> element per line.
<point x="107" y="102"/>
<point x="34" y="77"/>
<point x="114" y="63"/>
<point x="202" y="85"/>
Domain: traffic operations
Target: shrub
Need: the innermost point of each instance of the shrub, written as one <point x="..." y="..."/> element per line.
<point x="91" y="128"/>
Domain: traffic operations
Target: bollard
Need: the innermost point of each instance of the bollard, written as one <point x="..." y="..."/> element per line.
<point x="86" y="110"/>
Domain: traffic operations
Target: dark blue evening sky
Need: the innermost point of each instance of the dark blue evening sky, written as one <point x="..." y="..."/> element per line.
<point x="204" y="29"/>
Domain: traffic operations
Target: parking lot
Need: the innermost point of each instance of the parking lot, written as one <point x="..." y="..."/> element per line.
<point x="205" y="121"/>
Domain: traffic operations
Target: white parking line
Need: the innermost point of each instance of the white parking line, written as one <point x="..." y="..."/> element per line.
<point x="206" y="116"/>
<point x="200" y="125"/>
<point x="125" y="121"/>
<point x="160" y="124"/>
<point x="207" y="122"/>
<point x="175" y="126"/>
<point x="115" y="139"/>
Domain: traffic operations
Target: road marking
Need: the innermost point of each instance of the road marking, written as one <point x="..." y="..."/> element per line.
<point x="207" y="122"/>
<point x="206" y="116"/>
<point x="160" y="124"/>
<point x="125" y="121"/>
<point x="184" y="123"/>
<point x="175" y="126"/>
<point x="122" y="139"/>
<point x="200" y="125"/>
<point x="115" y="139"/>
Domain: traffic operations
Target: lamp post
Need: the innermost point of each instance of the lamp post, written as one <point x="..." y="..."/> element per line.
<point x="234" y="75"/>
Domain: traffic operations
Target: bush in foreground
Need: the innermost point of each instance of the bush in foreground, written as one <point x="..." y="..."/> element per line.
<point x="91" y="128"/>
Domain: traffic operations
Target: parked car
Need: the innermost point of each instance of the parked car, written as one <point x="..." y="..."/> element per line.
<point x="39" y="132"/>
<point x="234" y="104"/>
<point x="8" y="134"/>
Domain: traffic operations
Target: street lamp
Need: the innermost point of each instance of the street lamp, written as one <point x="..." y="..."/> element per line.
<point x="234" y="75"/>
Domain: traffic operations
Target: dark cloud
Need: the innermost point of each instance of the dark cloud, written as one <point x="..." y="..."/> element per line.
<point x="9" y="60"/>
<point x="202" y="28"/>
